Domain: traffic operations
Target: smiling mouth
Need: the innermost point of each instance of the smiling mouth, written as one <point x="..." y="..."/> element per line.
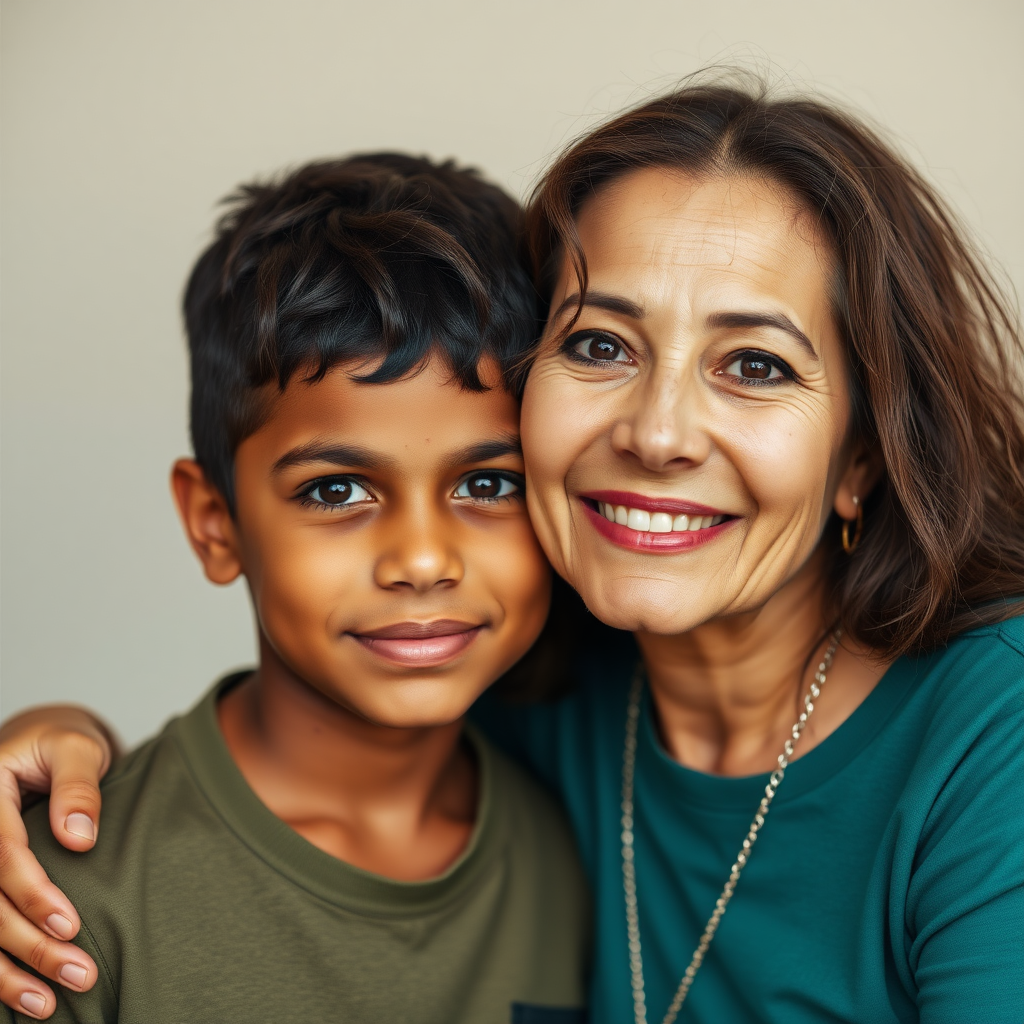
<point x="422" y="644"/>
<point x="661" y="524"/>
<point x="642" y="521"/>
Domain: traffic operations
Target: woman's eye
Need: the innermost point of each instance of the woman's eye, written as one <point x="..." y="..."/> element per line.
<point x="758" y="368"/>
<point x="487" y="486"/>
<point x="597" y="347"/>
<point x="337" y="490"/>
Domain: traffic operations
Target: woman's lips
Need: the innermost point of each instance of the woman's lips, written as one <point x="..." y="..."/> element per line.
<point x="653" y="524"/>
<point x="672" y="506"/>
<point x="420" y="643"/>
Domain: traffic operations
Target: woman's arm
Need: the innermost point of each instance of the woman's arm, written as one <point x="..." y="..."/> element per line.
<point x="63" y="750"/>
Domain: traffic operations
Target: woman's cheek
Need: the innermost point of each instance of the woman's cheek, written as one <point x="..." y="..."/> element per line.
<point x="559" y="428"/>
<point x="784" y="464"/>
<point x="546" y="424"/>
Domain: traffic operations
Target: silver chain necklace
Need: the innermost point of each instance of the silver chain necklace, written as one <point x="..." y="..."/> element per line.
<point x="636" y="965"/>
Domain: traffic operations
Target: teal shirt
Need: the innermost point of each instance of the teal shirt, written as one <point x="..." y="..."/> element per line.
<point x="886" y="886"/>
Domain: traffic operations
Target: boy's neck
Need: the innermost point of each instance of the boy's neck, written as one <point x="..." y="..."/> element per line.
<point x="397" y="802"/>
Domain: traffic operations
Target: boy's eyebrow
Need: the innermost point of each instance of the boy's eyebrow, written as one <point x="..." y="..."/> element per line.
<point x="495" y="448"/>
<point x="329" y="451"/>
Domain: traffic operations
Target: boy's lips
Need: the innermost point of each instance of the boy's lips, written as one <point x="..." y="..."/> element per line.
<point x="420" y="643"/>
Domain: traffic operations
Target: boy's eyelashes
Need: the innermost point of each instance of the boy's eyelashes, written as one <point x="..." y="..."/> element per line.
<point x="334" y="492"/>
<point x="491" y="485"/>
<point x="488" y="486"/>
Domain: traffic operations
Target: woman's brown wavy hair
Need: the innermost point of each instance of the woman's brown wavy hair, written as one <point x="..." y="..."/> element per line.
<point x="933" y="343"/>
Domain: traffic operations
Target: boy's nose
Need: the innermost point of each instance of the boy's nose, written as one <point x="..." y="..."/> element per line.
<point x="420" y="557"/>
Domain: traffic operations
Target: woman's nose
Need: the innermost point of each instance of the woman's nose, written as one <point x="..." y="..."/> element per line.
<point x="420" y="554"/>
<point x="662" y="424"/>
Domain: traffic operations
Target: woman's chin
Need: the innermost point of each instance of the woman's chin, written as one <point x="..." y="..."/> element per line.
<point x="659" y="606"/>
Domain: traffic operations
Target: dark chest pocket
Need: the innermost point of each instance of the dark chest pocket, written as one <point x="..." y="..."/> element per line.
<point x="524" y="1013"/>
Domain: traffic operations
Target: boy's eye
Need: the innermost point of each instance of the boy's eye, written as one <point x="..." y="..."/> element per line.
<point x="487" y="486"/>
<point x="758" y="368"/>
<point x="337" y="490"/>
<point x="596" y="347"/>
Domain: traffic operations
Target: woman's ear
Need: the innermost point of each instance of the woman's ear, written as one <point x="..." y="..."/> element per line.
<point x="864" y="469"/>
<point x="207" y="520"/>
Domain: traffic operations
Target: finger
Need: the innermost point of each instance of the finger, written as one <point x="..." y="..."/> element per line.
<point x="76" y="764"/>
<point x="24" y="993"/>
<point x="59" y="961"/>
<point x="22" y="878"/>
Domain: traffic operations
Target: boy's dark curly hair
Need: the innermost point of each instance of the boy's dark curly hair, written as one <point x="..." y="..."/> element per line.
<point x="380" y="259"/>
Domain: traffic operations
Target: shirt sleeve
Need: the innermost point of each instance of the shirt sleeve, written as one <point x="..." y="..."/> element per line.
<point x="965" y="908"/>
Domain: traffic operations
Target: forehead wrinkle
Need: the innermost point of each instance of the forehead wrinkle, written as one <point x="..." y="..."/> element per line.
<point x="753" y="231"/>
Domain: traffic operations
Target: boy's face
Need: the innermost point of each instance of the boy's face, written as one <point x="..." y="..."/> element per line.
<point x="385" y="539"/>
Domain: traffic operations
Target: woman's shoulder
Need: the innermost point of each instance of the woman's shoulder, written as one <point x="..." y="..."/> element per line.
<point x="964" y="703"/>
<point x="986" y="659"/>
<point x="1011" y="633"/>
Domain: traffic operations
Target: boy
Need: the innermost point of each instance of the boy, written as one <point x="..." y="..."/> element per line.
<point x="320" y="839"/>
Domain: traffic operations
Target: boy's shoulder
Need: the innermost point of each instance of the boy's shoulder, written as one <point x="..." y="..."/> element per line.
<point x="150" y="773"/>
<point x="150" y="803"/>
<point x="193" y="877"/>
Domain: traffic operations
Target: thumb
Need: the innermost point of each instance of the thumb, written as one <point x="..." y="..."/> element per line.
<point x="76" y="768"/>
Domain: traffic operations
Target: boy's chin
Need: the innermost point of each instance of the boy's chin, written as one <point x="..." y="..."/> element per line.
<point x="416" y="704"/>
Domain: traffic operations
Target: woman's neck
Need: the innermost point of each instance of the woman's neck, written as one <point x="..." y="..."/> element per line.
<point x="727" y="693"/>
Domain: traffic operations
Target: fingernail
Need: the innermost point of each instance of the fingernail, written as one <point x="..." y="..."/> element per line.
<point x="33" y="1002"/>
<point x="80" y="825"/>
<point x="60" y="926"/>
<point x="73" y="975"/>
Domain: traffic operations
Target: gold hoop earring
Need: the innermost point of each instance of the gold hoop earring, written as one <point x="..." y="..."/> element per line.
<point x="850" y="546"/>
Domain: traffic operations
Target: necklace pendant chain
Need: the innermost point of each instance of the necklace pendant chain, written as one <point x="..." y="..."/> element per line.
<point x="636" y="967"/>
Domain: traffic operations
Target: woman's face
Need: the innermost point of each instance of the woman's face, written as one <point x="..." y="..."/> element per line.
<point x="687" y="442"/>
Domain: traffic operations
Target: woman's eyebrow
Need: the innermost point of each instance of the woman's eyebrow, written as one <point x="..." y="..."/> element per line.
<point x="331" y="452"/>
<point x="778" y="321"/>
<point x="604" y="300"/>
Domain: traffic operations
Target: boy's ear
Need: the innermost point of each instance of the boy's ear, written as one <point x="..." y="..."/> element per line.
<point x="207" y="520"/>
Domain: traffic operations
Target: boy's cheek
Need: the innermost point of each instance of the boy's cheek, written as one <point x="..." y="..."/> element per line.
<point x="300" y="589"/>
<point x="519" y="577"/>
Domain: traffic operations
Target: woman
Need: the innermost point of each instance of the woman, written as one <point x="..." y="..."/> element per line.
<point x="773" y="429"/>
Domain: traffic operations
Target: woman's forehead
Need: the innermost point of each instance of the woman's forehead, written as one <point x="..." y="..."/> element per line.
<point x="659" y="223"/>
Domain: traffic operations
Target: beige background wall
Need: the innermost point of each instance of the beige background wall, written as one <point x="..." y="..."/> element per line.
<point x="123" y="122"/>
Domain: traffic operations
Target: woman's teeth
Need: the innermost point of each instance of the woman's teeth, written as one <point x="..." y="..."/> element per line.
<point x="655" y="522"/>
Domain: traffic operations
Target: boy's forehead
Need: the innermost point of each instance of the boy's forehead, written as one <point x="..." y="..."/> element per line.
<point x="425" y="413"/>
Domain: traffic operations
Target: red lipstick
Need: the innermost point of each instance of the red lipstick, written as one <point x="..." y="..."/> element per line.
<point x="652" y="542"/>
<point x="673" y="506"/>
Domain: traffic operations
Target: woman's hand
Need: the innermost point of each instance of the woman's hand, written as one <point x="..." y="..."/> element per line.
<point x="66" y="751"/>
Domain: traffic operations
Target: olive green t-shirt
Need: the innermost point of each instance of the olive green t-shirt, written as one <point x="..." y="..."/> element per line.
<point x="199" y="905"/>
